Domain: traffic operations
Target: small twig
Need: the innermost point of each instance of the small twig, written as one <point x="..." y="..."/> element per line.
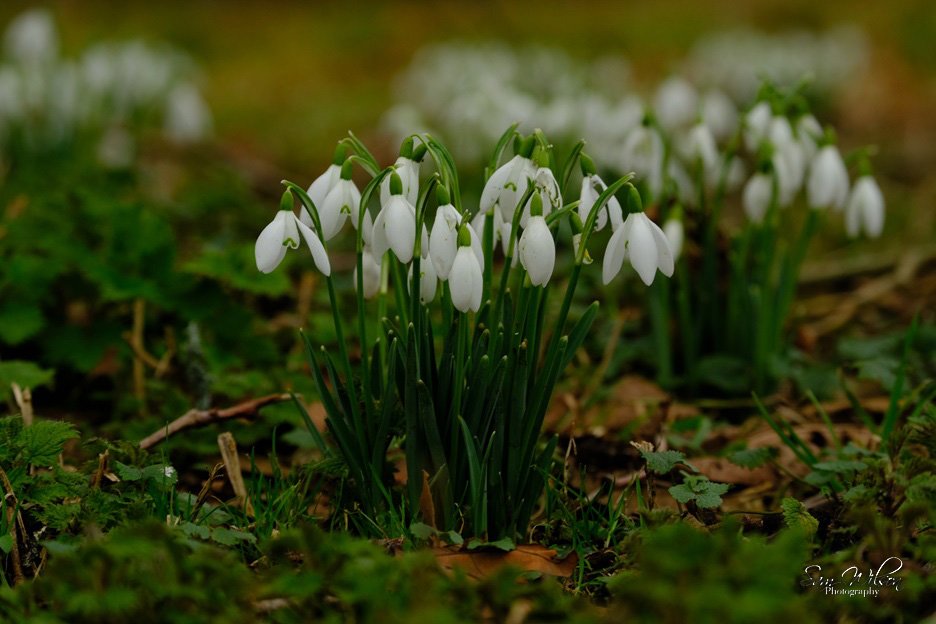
<point x="136" y="343"/>
<point x="216" y="473"/>
<point x="101" y="470"/>
<point x="228" y="447"/>
<point x="23" y="398"/>
<point x="200" y="418"/>
<point x="11" y="505"/>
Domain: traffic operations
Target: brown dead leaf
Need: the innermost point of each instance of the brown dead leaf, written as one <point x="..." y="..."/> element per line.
<point x="816" y="437"/>
<point x="426" y="506"/>
<point x="721" y="470"/>
<point x="479" y="564"/>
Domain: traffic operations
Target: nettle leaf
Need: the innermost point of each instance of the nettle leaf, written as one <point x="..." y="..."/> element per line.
<point x="841" y="465"/>
<point x="706" y="494"/>
<point x="661" y="462"/>
<point x="796" y="515"/>
<point x="753" y="457"/>
<point x="42" y="442"/>
<point x="26" y="374"/>
<point x="19" y="321"/>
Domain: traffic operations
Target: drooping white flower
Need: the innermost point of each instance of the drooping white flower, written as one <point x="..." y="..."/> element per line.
<point x="789" y="160"/>
<point x="443" y="239"/>
<point x="283" y="233"/>
<point x="719" y="114"/>
<point x="466" y="279"/>
<point x="865" y="209"/>
<point x="756" y="125"/>
<point x="756" y="196"/>
<point x="808" y="133"/>
<point x="643" y="242"/>
<point x="546" y="186"/>
<point x="592" y="187"/>
<point x="643" y="153"/>
<point x="828" y="179"/>
<point x="408" y="170"/>
<point x="395" y="225"/>
<point x="428" y="280"/>
<point x="188" y="118"/>
<point x="537" y="250"/>
<point x="30" y="38"/>
<point x="507" y="184"/>
<point x="676" y="103"/>
<point x="342" y="200"/>
<point x="700" y="148"/>
<point x="321" y="186"/>
<point x="371" y="273"/>
<point x="675" y="234"/>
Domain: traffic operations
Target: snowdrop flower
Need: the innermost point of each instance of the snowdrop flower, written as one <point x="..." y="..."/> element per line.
<point x="592" y="187"/>
<point x="643" y="153"/>
<point x="506" y="185"/>
<point x="808" y="133"/>
<point x="395" y="225"/>
<point x="537" y="249"/>
<point x="320" y="187"/>
<point x="719" y="114"/>
<point x="700" y="148"/>
<point x="757" y="195"/>
<point x="371" y="273"/>
<point x="547" y="188"/>
<point x="428" y="280"/>
<point x="407" y="167"/>
<point x="643" y="242"/>
<point x="188" y="118"/>
<point x="30" y="38"/>
<point x="674" y="232"/>
<point x="787" y="149"/>
<point x="865" y="208"/>
<point x="443" y="240"/>
<point x="283" y="233"/>
<point x="828" y="179"/>
<point x="676" y="103"/>
<point x="342" y="200"/>
<point x="466" y="280"/>
<point x="756" y="125"/>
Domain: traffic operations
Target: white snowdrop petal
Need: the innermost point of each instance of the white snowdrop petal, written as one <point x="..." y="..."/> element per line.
<point x="664" y="255"/>
<point x="537" y="251"/>
<point x="315" y="246"/>
<point x="400" y="226"/>
<point x="270" y="250"/>
<point x="641" y="249"/>
<point x="614" y="256"/>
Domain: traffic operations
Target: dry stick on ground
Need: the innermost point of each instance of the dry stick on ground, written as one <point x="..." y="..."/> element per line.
<point x="12" y="515"/>
<point x="200" y="418"/>
<point x="232" y="464"/>
<point x="23" y="399"/>
<point x="136" y="342"/>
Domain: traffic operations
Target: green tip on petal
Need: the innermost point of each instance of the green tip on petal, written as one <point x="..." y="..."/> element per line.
<point x="442" y="195"/>
<point x="526" y="146"/>
<point x="634" y="202"/>
<point x="536" y="205"/>
<point x="419" y="151"/>
<point x="341" y="153"/>
<point x="396" y="184"/>
<point x="587" y="164"/>
<point x="286" y="201"/>
<point x="464" y="236"/>
<point x="346" y="169"/>
<point x="406" y="148"/>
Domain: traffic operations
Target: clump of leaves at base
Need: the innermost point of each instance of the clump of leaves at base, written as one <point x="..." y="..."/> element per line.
<point x="687" y="575"/>
<point x="142" y="573"/>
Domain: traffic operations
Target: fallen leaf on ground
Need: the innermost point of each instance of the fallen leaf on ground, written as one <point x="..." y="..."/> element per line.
<point x="527" y="557"/>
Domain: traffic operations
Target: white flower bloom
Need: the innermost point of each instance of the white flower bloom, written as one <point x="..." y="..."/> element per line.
<point x="466" y="281"/>
<point x="808" y="133"/>
<point x="736" y="174"/>
<point x="828" y="179"/>
<point x="537" y="250"/>
<point x="756" y="125"/>
<point x="788" y="150"/>
<point x="319" y="189"/>
<point x="371" y="268"/>
<point x="700" y="147"/>
<point x="443" y="240"/>
<point x="548" y="189"/>
<point x="643" y="153"/>
<point x="673" y="230"/>
<point x="342" y="200"/>
<point x="408" y="170"/>
<point x="865" y="209"/>
<point x="506" y="186"/>
<point x="719" y="114"/>
<point x="592" y="187"/>
<point x="395" y="228"/>
<point x="282" y="233"/>
<point x="644" y="243"/>
<point x="188" y="118"/>
<point x="428" y="280"/>
<point x="756" y="197"/>
<point x="676" y="103"/>
<point x="31" y="39"/>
